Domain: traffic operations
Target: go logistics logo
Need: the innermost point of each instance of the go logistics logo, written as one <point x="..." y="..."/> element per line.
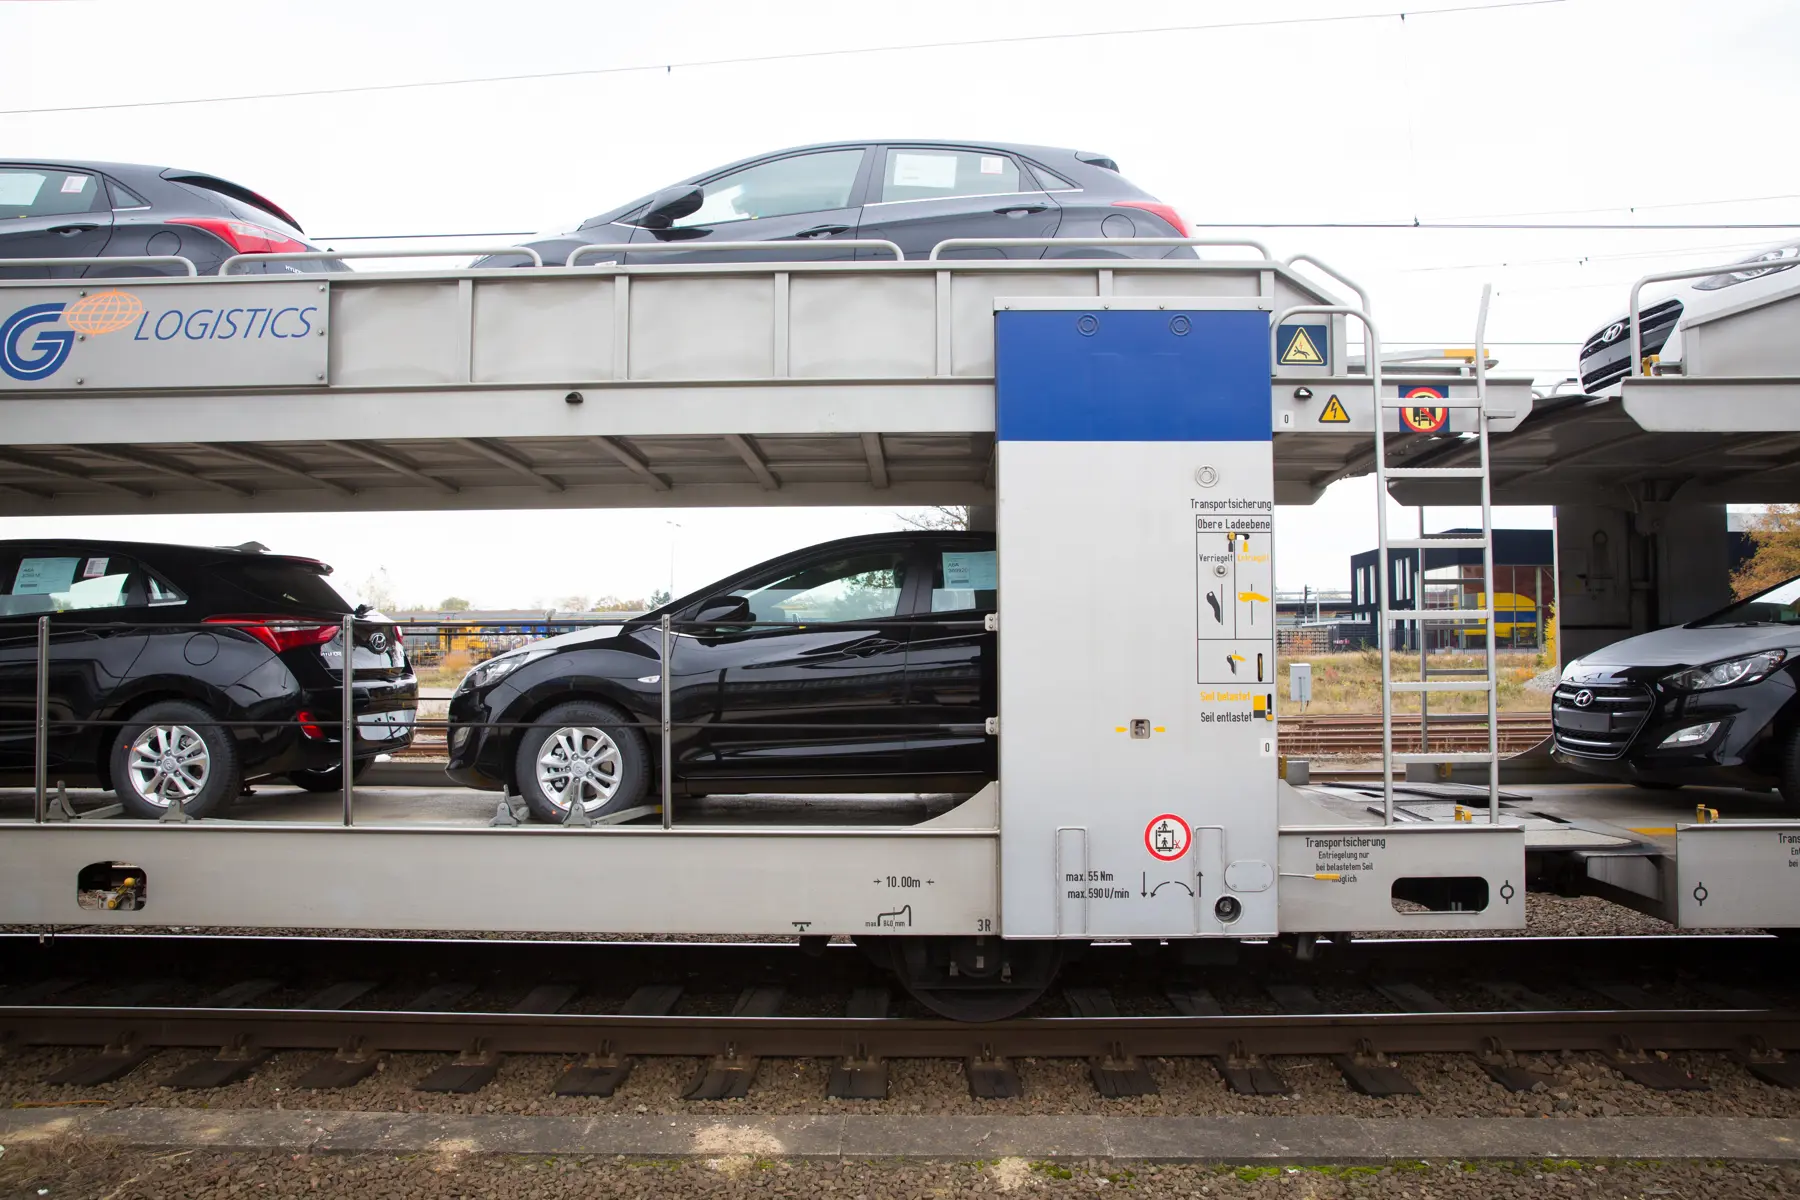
<point x="31" y="358"/>
<point x="32" y="348"/>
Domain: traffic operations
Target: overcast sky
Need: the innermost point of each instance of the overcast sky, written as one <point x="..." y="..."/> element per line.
<point x="1600" y="111"/>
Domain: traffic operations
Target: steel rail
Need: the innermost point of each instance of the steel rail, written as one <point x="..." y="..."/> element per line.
<point x="1602" y="1030"/>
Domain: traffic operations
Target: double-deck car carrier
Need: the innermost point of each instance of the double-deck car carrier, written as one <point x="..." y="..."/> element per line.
<point x="1139" y="418"/>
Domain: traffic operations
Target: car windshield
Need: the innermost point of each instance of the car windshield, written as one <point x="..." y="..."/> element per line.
<point x="284" y="584"/>
<point x="1780" y="605"/>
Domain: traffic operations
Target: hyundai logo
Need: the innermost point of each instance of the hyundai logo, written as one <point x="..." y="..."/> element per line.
<point x="378" y="642"/>
<point x="1583" y="698"/>
<point x="1613" y="333"/>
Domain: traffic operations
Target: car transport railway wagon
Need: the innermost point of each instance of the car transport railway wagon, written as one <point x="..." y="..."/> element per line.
<point x="1127" y="423"/>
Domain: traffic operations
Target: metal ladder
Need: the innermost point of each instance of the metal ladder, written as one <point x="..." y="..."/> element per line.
<point x="1431" y="680"/>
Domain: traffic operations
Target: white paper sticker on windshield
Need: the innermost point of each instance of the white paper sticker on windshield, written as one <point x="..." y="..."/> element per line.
<point x="42" y="576"/>
<point x="924" y="170"/>
<point x="971" y="570"/>
<point x="992" y="164"/>
<point x="74" y="183"/>
<point x="93" y="568"/>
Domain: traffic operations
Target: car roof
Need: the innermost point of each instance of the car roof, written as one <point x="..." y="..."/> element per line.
<point x="144" y="177"/>
<point x="162" y="549"/>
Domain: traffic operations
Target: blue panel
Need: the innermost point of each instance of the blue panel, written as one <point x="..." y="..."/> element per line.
<point x="1138" y="376"/>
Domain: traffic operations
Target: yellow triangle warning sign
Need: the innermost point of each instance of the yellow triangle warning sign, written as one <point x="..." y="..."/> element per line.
<point x="1301" y="352"/>
<point x="1334" y="413"/>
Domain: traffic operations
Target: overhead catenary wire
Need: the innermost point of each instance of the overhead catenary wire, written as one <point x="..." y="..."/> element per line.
<point x="792" y="56"/>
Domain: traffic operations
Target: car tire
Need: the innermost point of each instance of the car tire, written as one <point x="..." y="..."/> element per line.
<point x="329" y="780"/>
<point x="175" y="750"/>
<point x="590" y="747"/>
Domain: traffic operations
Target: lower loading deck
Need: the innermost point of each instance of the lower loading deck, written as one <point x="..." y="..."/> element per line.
<point x="426" y="857"/>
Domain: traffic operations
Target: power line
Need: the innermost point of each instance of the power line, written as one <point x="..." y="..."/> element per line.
<point x="1558" y="212"/>
<point x="1020" y="39"/>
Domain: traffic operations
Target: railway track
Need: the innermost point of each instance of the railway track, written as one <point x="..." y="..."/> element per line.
<point x="1637" y="1001"/>
<point x="1338" y="735"/>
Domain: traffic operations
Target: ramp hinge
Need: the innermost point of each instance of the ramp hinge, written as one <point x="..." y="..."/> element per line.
<point x="991" y="726"/>
<point x="991" y="623"/>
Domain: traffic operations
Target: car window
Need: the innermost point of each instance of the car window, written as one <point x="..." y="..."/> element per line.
<point x="44" y="192"/>
<point x="1780" y="605"/>
<point x="160" y="592"/>
<point x="282" y="583"/>
<point x="963" y="581"/>
<point x="124" y="197"/>
<point x="58" y="583"/>
<point x="939" y="174"/>
<point x="856" y="587"/>
<point x="1050" y="179"/>
<point x="800" y="184"/>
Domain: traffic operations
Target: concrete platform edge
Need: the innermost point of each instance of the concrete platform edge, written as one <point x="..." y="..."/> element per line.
<point x="1224" y="1140"/>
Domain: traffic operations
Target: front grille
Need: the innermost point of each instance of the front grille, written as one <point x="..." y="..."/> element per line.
<point x="1659" y="322"/>
<point x="1605" y="727"/>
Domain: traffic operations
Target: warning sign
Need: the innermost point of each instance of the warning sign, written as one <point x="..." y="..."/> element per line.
<point x="1167" y="837"/>
<point x="1301" y="345"/>
<point x="1422" y="416"/>
<point x="1334" y="413"/>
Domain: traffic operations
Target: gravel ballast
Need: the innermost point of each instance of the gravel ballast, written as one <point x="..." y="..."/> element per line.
<point x="118" y="1174"/>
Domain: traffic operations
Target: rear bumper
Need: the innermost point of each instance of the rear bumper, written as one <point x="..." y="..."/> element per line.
<point x="384" y="712"/>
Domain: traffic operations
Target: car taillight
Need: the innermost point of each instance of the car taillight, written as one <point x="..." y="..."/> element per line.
<point x="244" y="237"/>
<point x="280" y="633"/>
<point x="307" y="727"/>
<point x="1162" y="210"/>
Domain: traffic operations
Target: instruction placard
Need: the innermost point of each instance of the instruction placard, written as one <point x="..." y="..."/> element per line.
<point x="1234" y="553"/>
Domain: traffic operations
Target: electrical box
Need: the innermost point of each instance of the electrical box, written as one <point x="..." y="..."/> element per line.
<point x="1300" y="682"/>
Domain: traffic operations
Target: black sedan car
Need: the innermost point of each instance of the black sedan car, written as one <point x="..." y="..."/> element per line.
<point x="1712" y="702"/>
<point x="859" y="665"/>
<point x="913" y="193"/>
<point x="75" y="209"/>
<point x="154" y="649"/>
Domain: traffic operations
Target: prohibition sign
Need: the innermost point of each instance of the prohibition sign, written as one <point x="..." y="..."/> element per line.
<point x="1167" y="837"/>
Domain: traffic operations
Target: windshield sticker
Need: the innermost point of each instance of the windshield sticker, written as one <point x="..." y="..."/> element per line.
<point x="992" y="164"/>
<point x="93" y="568"/>
<point x="42" y="576"/>
<point x="74" y="183"/>
<point x="925" y="170"/>
<point x="971" y="570"/>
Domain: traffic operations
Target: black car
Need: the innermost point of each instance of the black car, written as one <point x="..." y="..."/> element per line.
<point x="913" y="193"/>
<point x="154" y="649"/>
<point x="76" y="209"/>
<point x="859" y="665"/>
<point x="1711" y="702"/>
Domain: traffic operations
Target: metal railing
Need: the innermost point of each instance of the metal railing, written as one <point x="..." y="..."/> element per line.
<point x="161" y="260"/>
<point x="664" y="724"/>
<point x="1634" y="318"/>
<point x="581" y="252"/>
<point x="332" y="255"/>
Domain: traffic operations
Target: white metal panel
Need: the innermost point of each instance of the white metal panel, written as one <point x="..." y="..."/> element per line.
<point x="1368" y="859"/>
<point x="396" y="333"/>
<point x="531" y="331"/>
<point x="1738" y="875"/>
<point x="862" y="327"/>
<point x="554" y="880"/>
<point x="971" y="314"/>
<point x="696" y="327"/>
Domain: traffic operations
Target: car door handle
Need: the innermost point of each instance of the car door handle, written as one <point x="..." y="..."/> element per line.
<point x="823" y="231"/>
<point x="68" y="229"/>
<point x="874" y="646"/>
<point x="1019" y="210"/>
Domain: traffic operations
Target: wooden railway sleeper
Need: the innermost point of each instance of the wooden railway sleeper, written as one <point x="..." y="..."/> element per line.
<point x="1502" y="1066"/>
<point x="1369" y="1072"/>
<point x="1768" y="1063"/>
<point x="118" y="1059"/>
<point x="1658" y="1073"/>
<point x="1248" y="1075"/>
<point x="991" y="1077"/>
<point x="234" y="1062"/>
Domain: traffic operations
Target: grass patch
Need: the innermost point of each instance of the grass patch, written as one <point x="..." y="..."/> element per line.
<point x="1351" y="683"/>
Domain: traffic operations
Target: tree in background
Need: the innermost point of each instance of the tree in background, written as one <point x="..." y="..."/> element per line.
<point x="611" y="603"/>
<point x="1775" y="535"/>
<point x="576" y="603"/>
<point x="377" y="591"/>
<point x="660" y="597"/>
<point x="938" y="516"/>
<point x="453" y="604"/>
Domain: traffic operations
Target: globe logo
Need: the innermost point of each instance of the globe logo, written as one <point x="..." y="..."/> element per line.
<point x="103" y="312"/>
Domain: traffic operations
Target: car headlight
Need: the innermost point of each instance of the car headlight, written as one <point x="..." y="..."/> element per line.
<point x="1766" y="263"/>
<point x="1734" y="671"/>
<point x="495" y="669"/>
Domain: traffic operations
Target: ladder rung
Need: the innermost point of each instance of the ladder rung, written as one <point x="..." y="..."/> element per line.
<point x="1434" y="473"/>
<point x="1437" y="543"/>
<point x="1481" y="671"/>
<point x="1469" y="757"/>
<point x="1437" y="614"/>
<point x="1461" y="685"/>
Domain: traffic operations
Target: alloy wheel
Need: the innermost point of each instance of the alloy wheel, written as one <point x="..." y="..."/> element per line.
<point x="169" y="763"/>
<point x="579" y="764"/>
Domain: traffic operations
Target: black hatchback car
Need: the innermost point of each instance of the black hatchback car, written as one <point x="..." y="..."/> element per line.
<point x="155" y="649"/>
<point x="1713" y="702"/>
<point x="73" y="209"/>
<point x="859" y="665"/>
<point x="913" y="193"/>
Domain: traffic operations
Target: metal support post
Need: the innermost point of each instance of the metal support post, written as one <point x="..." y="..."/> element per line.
<point x="668" y="727"/>
<point x="1487" y="560"/>
<point x="349" y="721"/>
<point x="41" y="738"/>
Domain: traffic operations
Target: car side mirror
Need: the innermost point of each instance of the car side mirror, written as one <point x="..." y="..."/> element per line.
<point x="725" y="610"/>
<point x="671" y="204"/>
